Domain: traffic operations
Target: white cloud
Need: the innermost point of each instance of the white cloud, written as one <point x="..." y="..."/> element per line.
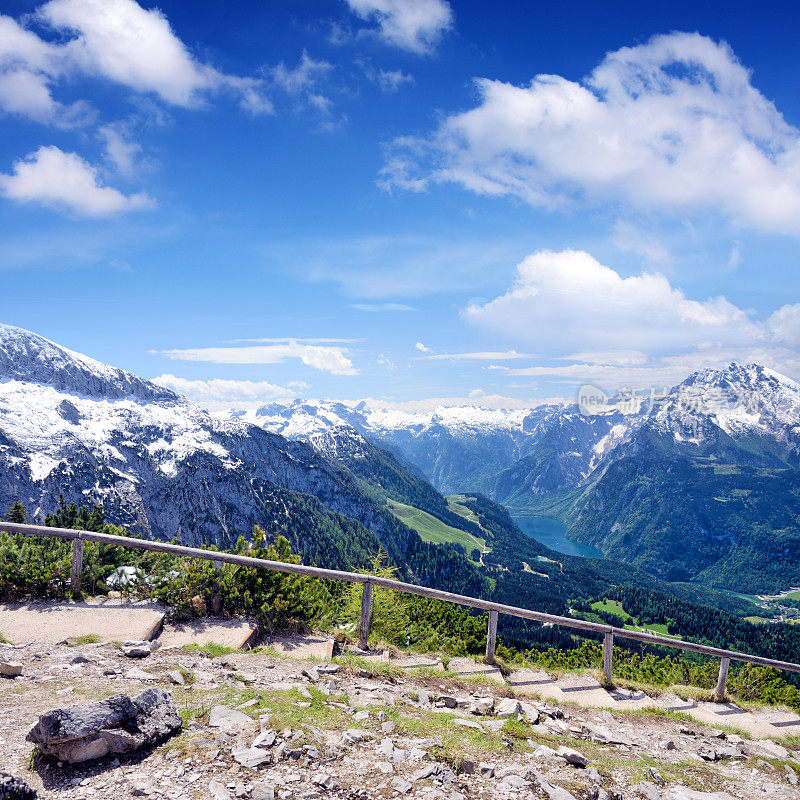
<point x="422" y="348"/>
<point x="415" y="25"/>
<point x="674" y="125"/>
<point x="568" y="301"/>
<point x="123" y="42"/>
<point x="52" y="177"/>
<point x="784" y="324"/>
<point x="661" y="372"/>
<point x="327" y="359"/>
<point x="117" y="40"/>
<point x="217" y="394"/>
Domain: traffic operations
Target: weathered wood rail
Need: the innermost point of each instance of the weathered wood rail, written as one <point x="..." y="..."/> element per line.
<point x="609" y="632"/>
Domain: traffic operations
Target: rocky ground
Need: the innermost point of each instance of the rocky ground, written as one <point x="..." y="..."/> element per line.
<point x="260" y="725"/>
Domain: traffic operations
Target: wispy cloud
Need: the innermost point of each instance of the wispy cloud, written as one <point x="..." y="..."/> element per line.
<point x="218" y="394"/>
<point x="381" y="307"/>
<point x="378" y="268"/>
<point x="327" y="359"/>
<point x="488" y="355"/>
<point x="415" y="25"/>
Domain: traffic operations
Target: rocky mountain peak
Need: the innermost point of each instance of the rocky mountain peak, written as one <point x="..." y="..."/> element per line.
<point x="30" y="358"/>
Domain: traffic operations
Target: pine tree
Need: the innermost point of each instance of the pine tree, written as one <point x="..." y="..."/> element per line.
<point x="17" y="513"/>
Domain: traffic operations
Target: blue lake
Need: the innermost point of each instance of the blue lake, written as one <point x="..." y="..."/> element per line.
<point x="552" y="533"/>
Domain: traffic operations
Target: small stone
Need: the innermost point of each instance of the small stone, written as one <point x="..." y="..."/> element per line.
<point x="572" y="757"/>
<point x="265" y="739"/>
<point x="508" y="707"/>
<point x="251" y="757"/>
<point x="648" y="790"/>
<point x="176" y="677"/>
<point x="262" y="791"/>
<point x="401" y="785"/>
<point x="229" y="719"/>
<point x="137" y="674"/>
<point x="389" y="726"/>
<point x="656" y="776"/>
<point x="137" y="650"/>
<point x="10" y="669"/>
<point x="486" y="770"/>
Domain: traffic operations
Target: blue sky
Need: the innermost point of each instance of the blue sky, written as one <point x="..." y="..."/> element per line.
<point x="410" y="200"/>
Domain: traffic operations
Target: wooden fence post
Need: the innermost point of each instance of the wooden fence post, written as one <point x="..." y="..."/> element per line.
<point x="77" y="567"/>
<point x="608" y="656"/>
<point x="491" y="637"/>
<point x="366" y="617"/>
<point x="719" y="692"/>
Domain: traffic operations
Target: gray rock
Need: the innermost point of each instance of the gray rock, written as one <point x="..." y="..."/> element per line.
<point x="649" y="790"/>
<point x="13" y="788"/>
<point x="117" y="725"/>
<point x="656" y="776"/>
<point x="572" y="757"/>
<point x="10" y="669"/>
<point x="262" y="791"/>
<point x="514" y="781"/>
<point x="401" y="785"/>
<point x="508" y="707"/>
<point x="265" y="739"/>
<point x="552" y="792"/>
<point x="137" y="650"/>
<point x="486" y="770"/>
<point x="251" y="757"/>
<point x="229" y="719"/>
<point x="139" y="675"/>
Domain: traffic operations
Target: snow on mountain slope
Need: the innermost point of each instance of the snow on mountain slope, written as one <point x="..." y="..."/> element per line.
<point x="155" y="460"/>
<point x="739" y="400"/>
<point x="456" y="447"/>
<point x="554" y="446"/>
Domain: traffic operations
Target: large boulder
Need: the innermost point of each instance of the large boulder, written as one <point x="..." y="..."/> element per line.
<point x="117" y="725"/>
<point x="12" y="788"/>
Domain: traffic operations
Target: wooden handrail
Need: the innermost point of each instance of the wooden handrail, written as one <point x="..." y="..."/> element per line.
<point x="608" y="631"/>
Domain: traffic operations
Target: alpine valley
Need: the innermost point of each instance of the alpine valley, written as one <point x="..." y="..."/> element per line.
<point x="699" y="485"/>
<point x="681" y="500"/>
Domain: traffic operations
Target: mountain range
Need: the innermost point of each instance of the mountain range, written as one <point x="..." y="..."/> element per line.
<point x="698" y="484"/>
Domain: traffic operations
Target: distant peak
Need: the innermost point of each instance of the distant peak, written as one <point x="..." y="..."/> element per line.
<point x="30" y="358"/>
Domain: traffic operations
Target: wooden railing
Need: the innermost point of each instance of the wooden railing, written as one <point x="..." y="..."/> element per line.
<point x="609" y="632"/>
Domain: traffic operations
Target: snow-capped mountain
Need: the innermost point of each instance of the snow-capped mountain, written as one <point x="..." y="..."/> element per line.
<point x="743" y="402"/>
<point x="155" y="460"/>
<point x="513" y="454"/>
<point x="455" y="447"/>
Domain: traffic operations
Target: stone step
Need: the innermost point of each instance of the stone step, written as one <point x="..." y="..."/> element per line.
<point x="53" y="621"/>
<point x="302" y="646"/>
<point x="469" y="669"/>
<point x="239" y="634"/>
<point x="727" y="714"/>
<point x="413" y="662"/>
